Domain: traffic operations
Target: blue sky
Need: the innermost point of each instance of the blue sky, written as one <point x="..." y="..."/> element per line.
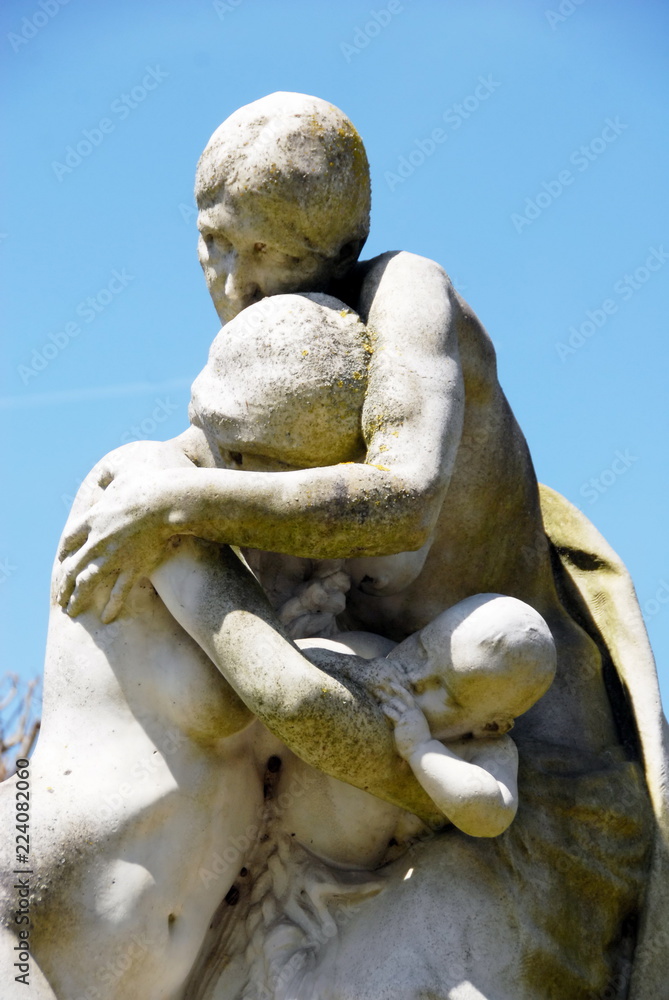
<point x="523" y="145"/>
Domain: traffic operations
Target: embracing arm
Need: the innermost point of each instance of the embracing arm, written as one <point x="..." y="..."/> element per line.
<point x="327" y="719"/>
<point x="412" y="421"/>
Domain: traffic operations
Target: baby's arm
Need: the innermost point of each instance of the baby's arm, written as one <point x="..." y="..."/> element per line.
<point x="475" y="787"/>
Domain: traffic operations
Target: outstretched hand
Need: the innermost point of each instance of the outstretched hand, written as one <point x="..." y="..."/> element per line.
<point x="117" y="541"/>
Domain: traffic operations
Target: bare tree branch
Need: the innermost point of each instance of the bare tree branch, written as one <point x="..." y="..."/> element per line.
<point x="20" y="709"/>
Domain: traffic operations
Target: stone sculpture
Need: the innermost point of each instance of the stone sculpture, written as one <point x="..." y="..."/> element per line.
<point x="253" y="820"/>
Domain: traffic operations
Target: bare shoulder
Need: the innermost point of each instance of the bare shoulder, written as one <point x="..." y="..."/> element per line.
<point x="144" y="454"/>
<point x="400" y="270"/>
<point x="411" y="303"/>
<point x="135" y="457"/>
<point x="405" y="260"/>
<point x="188" y="448"/>
<point x="408" y="303"/>
<point x="420" y="291"/>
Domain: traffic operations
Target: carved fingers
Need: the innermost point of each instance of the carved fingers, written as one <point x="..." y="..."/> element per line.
<point x="410" y="725"/>
<point x="411" y="731"/>
<point x="116" y="543"/>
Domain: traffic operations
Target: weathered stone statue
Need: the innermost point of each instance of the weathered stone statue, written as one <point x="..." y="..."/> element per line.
<point x="219" y="813"/>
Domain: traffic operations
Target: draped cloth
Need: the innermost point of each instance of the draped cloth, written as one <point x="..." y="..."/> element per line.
<point x="598" y="590"/>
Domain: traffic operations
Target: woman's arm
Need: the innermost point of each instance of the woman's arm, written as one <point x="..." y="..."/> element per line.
<point x="412" y="421"/>
<point x="326" y="718"/>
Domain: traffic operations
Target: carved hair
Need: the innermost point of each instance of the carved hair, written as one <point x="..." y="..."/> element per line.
<point x="303" y="157"/>
<point x="286" y="379"/>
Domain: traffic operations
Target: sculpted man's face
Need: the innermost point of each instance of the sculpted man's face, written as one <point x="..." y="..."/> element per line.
<point x="284" y="197"/>
<point x="247" y="251"/>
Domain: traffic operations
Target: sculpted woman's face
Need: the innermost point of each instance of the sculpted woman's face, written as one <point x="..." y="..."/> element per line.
<point x="249" y="250"/>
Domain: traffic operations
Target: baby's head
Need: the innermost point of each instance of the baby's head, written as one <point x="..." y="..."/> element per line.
<point x="284" y="386"/>
<point x="479" y="665"/>
<point x="283" y="194"/>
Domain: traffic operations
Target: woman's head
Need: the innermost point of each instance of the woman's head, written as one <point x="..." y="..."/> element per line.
<point x="285" y="383"/>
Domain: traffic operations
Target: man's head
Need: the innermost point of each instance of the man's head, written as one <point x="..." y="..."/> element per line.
<point x="283" y="194"/>
<point x="479" y="665"/>
<point x="284" y="385"/>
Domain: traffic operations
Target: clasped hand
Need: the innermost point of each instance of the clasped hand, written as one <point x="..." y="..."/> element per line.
<point x="118" y="540"/>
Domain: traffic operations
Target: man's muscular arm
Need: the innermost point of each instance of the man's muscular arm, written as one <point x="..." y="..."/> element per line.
<point x="412" y="421"/>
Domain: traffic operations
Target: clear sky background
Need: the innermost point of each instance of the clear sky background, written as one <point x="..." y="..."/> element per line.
<point x="542" y="192"/>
